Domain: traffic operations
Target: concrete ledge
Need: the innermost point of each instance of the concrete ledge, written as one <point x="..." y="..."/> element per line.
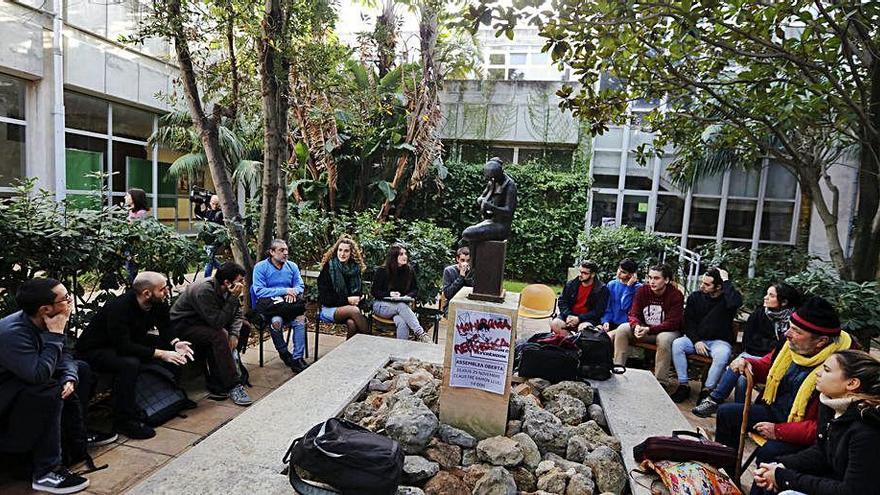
<point x="636" y="407"/>
<point x="244" y="456"/>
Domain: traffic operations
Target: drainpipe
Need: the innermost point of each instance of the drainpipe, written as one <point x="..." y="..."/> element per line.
<point x="58" y="102"/>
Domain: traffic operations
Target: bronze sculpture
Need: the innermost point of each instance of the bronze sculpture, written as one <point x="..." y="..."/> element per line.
<point x="497" y="204"/>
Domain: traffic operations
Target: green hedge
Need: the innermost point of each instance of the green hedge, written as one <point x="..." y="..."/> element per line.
<point x="608" y="246"/>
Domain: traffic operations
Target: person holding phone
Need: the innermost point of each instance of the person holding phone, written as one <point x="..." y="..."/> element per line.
<point x="208" y="314"/>
<point x="620" y="295"/>
<point x="391" y="282"/>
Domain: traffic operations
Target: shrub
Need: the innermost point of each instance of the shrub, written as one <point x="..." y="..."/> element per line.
<point x="607" y="246"/>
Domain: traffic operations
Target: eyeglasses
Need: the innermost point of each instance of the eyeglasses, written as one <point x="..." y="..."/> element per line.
<point x="67" y="298"/>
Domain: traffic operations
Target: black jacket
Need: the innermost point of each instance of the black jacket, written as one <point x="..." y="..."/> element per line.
<point x="844" y="460"/>
<point x="382" y="285"/>
<point x="597" y="301"/>
<point x="30" y="356"/>
<point x="327" y="295"/>
<point x="759" y="335"/>
<point x="121" y="324"/>
<point x="708" y="318"/>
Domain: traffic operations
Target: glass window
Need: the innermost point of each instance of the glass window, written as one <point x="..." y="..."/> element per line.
<point x="776" y="221"/>
<point x="604" y="209"/>
<point x="497" y="58"/>
<point x="781" y="184"/>
<point x="559" y="158"/>
<point x="635" y="211"/>
<point x="85" y="113"/>
<point x="740" y="218"/>
<point x="704" y="216"/>
<point x="670" y="212"/>
<point x="530" y="154"/>
<point x="85" y="160"/>
<point x="124" y="155"/>
<point x="709" y="185"/>
<point x="11" y="97"/>
<point x="606" y="169"/>
<point x="541" y="58"/>
<point x="744" y="183"/>
<point x="131" y="123"/>
<point x="473" y="153"/>
<point x="613" y="139"/>
<point x="506" y="154"/>
<point x="495" y="74"/>
<point x="666" y="183"/>
<point x="518" y="59"/>
<point x="12" y="149"/>
<point x="637" y="176"/>
<point x="515" y="75"/>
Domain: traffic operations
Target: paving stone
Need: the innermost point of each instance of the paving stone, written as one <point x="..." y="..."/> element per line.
<point x="126" y="466"/>
<point x="167" y="441"/>
<point x="204" y="419"/>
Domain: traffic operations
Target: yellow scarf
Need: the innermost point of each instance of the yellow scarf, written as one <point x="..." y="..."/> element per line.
<point x="780" y="367"/>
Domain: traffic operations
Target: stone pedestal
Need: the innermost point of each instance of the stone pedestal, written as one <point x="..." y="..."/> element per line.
<point x="478" y="363"/>
<point x="488" y="258"/>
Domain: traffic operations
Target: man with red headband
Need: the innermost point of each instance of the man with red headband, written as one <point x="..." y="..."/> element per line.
<point x="787" y="411"/>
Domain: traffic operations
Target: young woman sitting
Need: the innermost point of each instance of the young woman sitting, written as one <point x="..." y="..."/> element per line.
<point x="392" y="284"/>
<point x="846" y="455"/>
<point x="339" y="286"/>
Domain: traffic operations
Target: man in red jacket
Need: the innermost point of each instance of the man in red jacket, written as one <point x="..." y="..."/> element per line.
<point x="787" y="411"/>
<point x="656" y="317"/>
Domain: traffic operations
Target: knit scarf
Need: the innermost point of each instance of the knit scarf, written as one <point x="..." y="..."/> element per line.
<point x="783" y="361"/>
<point x="840" y="404"/>
<point x="779" y="318"/>
<point x="346" y="277"/>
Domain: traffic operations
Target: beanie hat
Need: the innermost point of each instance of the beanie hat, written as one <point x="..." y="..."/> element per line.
<point x="817" y="316"/>
<point x="629" y="266"/>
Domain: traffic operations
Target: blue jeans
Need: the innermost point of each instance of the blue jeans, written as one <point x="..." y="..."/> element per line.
<point x="730" y="381"/>
<point x="212" y="261"/>
<point x="719" y="350"/>
<point x="298" y="328"/>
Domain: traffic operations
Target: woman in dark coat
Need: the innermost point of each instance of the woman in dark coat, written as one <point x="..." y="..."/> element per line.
<point x="339" y="286"/>
<point x="394" y="289"/>
<point x="846" y="456"/>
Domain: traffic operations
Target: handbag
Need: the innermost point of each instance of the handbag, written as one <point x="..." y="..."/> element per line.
<point x="690" y="478"/>
<point x="675" y="448"/>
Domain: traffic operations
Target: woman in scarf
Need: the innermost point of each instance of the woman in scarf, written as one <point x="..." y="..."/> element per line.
<point x="845" y="457"/>
<point x="339" y="286"/>
<point x="394" y="288"/>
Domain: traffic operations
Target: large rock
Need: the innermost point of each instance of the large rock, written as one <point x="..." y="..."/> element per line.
<point x="417" y="469"/>
<point x="500" y="451"/>
<point x="524" y="479"/>
<point x="430" y="395"/>
<point x="579" y="390"/>
<point x="412" y="424"/>
<point x="382" y="375"/>
<point x="409" y="490"/>
<point x="514" y="426"/>
<point x="517" y="405"/>
<point x="471" y="474"/>
<point x="569" y="410"/>
<point x="454" y="436"/>
<point x="597" y="414"/>
<point x="357" y="411"/>
<point x="419" y="378"/>
<point x="578" y="448"/>
<point x="579" y="484"/>
<point x="553" y="481"/>
<point x="531" y="454"/>
<point x="497" y="481"/>
<point x="379" y="386"/>
<point x="546" y="430"/>
<point x="596" y="435"/>
<point x="608" y="468"/>
<point x="448" y="456"/>
<point x="566" y="465"/>
<point x="444" y="483"/>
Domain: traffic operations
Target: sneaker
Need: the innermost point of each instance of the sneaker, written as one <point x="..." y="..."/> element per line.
<point x="239" y="396"/>
<point x="298" y="365"/>
<point x="706" y="408"/>
<point x="97" y="438"/>
<point x="424" y="338"/>
<point x="681" y="394"/>
<point x="703" y="394"/>
<point x="60" y="480"/>
<point x="217" y="395"/>
<point x="302" y="362"/>
<point x="135" y="430"/>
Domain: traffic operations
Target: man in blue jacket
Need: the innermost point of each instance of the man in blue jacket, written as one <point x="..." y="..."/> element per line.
<point x="620" y="295"/>
<point x="582" y="301"/>
<point x="278" y="287"/>
<point x="40" y="383"/>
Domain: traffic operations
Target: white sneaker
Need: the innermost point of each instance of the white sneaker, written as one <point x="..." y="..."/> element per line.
<point x="60" y="480"/>
<point x="424" y="338"/>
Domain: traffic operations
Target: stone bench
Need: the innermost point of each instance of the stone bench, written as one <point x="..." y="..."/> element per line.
<point x="636" y="407"/>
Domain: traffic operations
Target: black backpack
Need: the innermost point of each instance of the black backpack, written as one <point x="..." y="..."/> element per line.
<point x="348" y="457"/>
<point x="597" y="352"/>
<point x="551" y="362"/>
<point x="157" y="395"/>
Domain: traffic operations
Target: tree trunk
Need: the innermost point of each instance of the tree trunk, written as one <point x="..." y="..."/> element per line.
<point x="866" y="242"/>
<point x="829" y="221"/>
<point x="207" y="128"/>
<point x="282" y="225"/>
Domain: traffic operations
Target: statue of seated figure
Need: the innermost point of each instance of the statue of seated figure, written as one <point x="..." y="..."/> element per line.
<point x="496" y="204"/>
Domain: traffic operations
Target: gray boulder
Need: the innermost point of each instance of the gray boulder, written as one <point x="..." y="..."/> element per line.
<point x="357" y="411"/>
<point x="500" y="451"/>
<point x="412" y="424"/>
<point x="455" y="436"/>
<point x="553" y="481"/>
<point x="497" y="481"/>
<point x="569" y="410"/>
<point x="546" y="430"/>
<point x="525" y="480"/>
<point x="580" y="485"/>
<point x="567" y="465"/>
<point x="578" y="448"/>
<point x="579" y="390"/>
<point x="596" y="435"/>
<point x="531" y="454"/>
<point x="597" y="414"/>
<point x="609" y="469"/>
<point x="417" y="469"/>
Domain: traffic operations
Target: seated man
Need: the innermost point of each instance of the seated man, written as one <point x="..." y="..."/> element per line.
<point x="620" y="295"/>
<point x="208" y="314"/>
<point x="457" y="276"/>
<point x="787" y="411"/>
<point x="42" y="389"/>
<point x="278" y="287"/>
<point x="655" y="317"/>
<point x="118" y="340"/>
<point x="708" y="330"/>
<point x="583" y="300"/>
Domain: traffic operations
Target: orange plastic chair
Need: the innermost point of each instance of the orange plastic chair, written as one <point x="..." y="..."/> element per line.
<point x="537" y="301"/>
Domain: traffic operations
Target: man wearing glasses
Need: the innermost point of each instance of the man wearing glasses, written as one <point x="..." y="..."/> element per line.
<point x="43" y="390"/>
<point x="583" y="301"/>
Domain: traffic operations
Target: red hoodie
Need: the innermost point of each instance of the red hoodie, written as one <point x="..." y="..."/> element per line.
<point x="661" y="313"/>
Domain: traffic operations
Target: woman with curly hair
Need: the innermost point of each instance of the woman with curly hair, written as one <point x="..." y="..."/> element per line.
<point x="339" y="285"/>
<point x="394" y="287"/>
<point x="845" y="457"/>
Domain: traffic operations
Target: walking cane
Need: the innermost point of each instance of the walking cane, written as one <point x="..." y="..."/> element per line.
<point x="744" y="427"/>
